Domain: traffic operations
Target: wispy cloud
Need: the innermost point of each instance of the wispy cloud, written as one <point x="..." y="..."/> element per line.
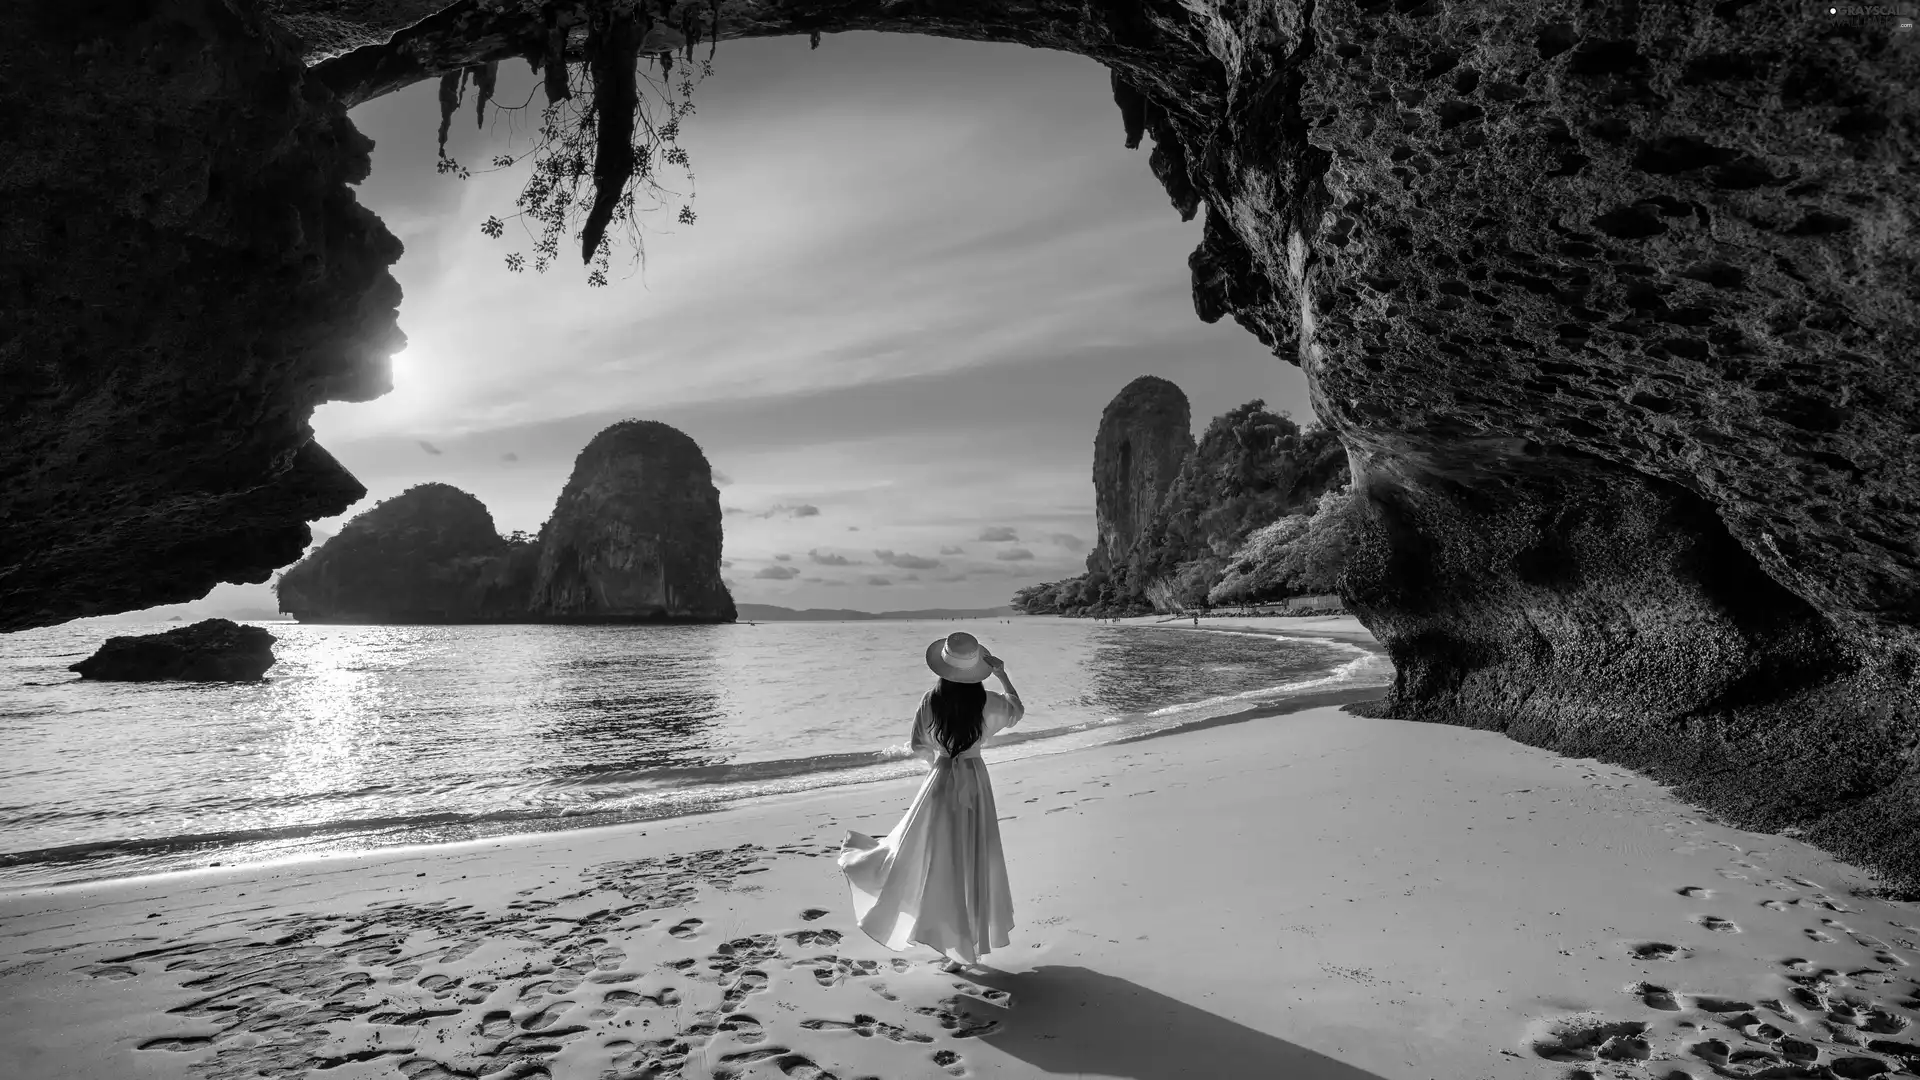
<point x="995" y="534"/>
<point x="828" y="558"/>
<point x="430" y="448"/>
<point x="952" y="549"/>
<point x="784" y="558"/>
<point x="1068" y="540"/>
<point x="906" y="561"/>
<point x="878" y="581"/>
<point x="776" y="573"/>
<point x="1013" y="554"/>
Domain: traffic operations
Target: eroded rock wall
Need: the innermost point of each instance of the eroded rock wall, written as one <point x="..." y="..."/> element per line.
<point x="184" y="275"/>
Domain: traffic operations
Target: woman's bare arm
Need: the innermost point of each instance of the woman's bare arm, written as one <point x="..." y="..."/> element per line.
<point x="1013" y="696"/>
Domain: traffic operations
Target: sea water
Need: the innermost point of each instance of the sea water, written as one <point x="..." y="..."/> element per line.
<point x="364" y="736"/>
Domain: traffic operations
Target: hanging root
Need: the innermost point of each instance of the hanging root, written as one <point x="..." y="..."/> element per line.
<point x="555" y="61"/>
<point x="450" y="85"/>
<point x="484" y="77"/>
<point x="613" y="58"/>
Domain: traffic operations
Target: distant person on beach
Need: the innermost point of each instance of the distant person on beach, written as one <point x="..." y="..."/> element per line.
<point x="939" y="878"/>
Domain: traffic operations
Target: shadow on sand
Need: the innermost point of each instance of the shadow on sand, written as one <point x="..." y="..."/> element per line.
<point x="1073" y="1020"/>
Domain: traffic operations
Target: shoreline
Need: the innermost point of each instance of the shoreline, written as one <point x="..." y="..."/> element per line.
<point x="673" y="796"/>
<point x="1327" y="898"/>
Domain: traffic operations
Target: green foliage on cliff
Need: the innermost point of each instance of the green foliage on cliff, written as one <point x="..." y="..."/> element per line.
<point x="1252" y="473"/>
<point x="430" y="553"/>
<point x="1300" y="554"/>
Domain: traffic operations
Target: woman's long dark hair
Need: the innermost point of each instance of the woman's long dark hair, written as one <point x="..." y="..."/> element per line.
<point x="959" y="712"/>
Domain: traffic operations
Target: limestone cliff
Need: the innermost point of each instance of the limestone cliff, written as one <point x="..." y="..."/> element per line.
<point x="184" y="275"/>
<point x="1145" y="435"/>
<point x="1175" y="541"/>
<point x="430" y="554"/>
<point x="635" y="535"/>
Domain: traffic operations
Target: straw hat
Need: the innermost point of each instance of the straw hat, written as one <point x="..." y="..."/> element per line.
<point x="959" y="658"/>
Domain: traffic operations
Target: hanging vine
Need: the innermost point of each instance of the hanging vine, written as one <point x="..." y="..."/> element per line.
<point x="607" y="140"/>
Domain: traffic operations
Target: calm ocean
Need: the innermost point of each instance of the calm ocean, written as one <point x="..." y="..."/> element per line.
<point x="364" y="736"/>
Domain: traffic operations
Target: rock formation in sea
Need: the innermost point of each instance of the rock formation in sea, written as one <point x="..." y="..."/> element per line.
<point x="1145" y="435"/>
<point x="1166" y="542"/>
<point x="635" y="535"/>
<point x="212" y="650"/>
<point x="1610" y="304"/>
<point x="429" y="554"/>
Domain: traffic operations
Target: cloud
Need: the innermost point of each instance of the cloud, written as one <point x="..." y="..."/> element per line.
<point x="833" y="581"/>
<point x="1014" y="555"/>
<point x="509" y="456"/>
<point x="905" y="561"/>
<point x="777" y="573"/>
<point x="813" y="580"/>
<point x="877" y="580"/>
<point x="995" y="534"/>
<point x="430" y="448"/>
<point x="783" y="558"/>
<point x="911" y="577"/>
<point x="828" y="558"/>
<point x="777" y="510"/>
<point x="1068" y="540"/>
<point x="726" y="564"/>
<point x="721" y="479"/>
<point x="953" y="549"/>
<point x="853" y="528"/>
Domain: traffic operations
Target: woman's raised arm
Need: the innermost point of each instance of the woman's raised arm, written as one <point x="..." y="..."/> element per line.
<point x="999" y="667"/>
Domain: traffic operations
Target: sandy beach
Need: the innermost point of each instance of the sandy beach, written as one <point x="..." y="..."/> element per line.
<point x="1312" y="895"/>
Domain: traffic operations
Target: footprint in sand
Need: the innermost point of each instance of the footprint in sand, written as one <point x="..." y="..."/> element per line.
<point x="950" y="1014"/>
<point x="686" y="928"/>
<point x="1717" y="1005"/>
<point x="183" y="1043"/>
<point x="495" y="1024"/>
<point x="1654" y="997"/>
<point x="867" y="1027"/>
<point x="949" y="1061"/>
<point x="813" y="913"/>
<point x="665" y="999"/>
<point x="749" y="982"/>
<point x="1583" y="1038"/>
<point x="1711" y="1051"/>
<point x="1657" y="950"/>
<point x="1816" y="935"/>
<point x="1716" y="924"/>
<point x="809" y="938"/>
<point x="546" y="1017"/>
<point x="1695" y="892"/>
<point x="1774" y="905"/>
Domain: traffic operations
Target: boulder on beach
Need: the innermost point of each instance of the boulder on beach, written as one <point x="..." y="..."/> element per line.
<point x="212" y="650"/>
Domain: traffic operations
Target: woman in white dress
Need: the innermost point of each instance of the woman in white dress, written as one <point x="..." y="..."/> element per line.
<point x="939" y="878"/>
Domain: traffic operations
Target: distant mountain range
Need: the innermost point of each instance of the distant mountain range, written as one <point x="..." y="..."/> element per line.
<point x="771" y="613"/>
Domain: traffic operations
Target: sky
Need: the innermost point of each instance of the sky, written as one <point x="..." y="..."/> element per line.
<point x="920" y="270"/>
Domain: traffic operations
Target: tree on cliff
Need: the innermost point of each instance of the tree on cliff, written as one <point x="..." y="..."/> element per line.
<point x="1297" y="555"/>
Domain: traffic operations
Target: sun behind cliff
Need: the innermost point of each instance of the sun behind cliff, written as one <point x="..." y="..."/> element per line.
<point x="634" y="537"/>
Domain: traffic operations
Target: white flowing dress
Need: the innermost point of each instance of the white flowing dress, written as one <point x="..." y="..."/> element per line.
<point x="939" y="878"/>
